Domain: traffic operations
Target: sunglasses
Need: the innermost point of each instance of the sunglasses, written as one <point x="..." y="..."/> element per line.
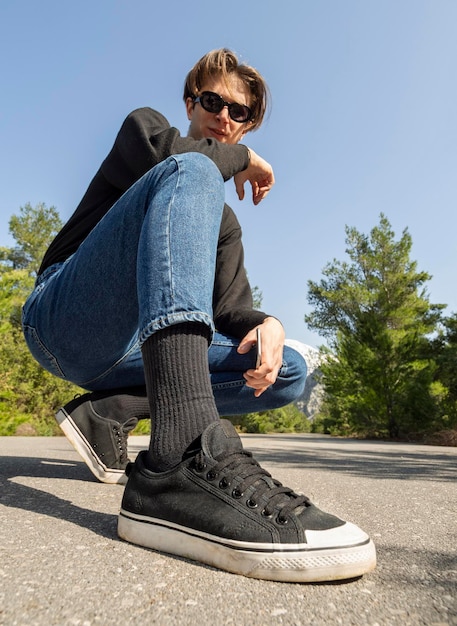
<point x="213" y="103"/>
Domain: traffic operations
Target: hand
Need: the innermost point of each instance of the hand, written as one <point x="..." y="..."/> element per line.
<point x="260" y="174"/>
<point x="272" y="351"/>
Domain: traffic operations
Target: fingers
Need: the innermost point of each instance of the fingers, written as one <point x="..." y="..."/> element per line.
<point x="239" y="184"/>
<point x="260" y="175"/>
<point x="265" y="375"/>
<point x="260" y="379"/>
<point x="248" y="341"/>
<point x="260" y="192"/>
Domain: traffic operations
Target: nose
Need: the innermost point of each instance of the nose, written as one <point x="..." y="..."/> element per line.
<point x="224" y="115"/>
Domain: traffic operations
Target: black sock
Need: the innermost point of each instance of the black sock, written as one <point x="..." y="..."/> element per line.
<point x="122" y="404"/>
<point x="179" y="390"/>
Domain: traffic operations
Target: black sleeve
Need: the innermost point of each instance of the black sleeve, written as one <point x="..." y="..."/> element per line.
<point x="146" y="138"/>
<point x="232" y="295"/>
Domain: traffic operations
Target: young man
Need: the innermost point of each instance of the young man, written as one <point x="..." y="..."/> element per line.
<point x="145" y="286"/>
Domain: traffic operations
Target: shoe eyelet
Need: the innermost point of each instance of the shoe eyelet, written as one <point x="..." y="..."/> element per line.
<point x="200" y="467"/>
<point x="266" y="515"/>
<point x="252" y="504"/>
<point x="282" y="521"/>
<point x="224" y="483"/>
<point x="237" y="494"/>
<point x="211" y="475"/>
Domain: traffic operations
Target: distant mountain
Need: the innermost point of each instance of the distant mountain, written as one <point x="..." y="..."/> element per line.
<point x="311" y="399"/>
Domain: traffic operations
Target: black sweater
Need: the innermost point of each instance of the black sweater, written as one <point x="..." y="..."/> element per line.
<point x="145" y="139"/>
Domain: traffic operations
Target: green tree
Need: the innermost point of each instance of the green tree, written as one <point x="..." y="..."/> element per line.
<point x="445" y="347"/>
<point x="257" y="297"/>
<point x="375" y="313"/>
<point x="29" y="395"/>
<point x="33" y="230"/>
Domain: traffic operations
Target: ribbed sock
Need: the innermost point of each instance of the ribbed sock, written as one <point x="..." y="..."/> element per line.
<point x="179" y="390"/>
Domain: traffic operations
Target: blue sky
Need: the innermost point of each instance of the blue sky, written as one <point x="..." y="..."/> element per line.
<point x="363" y="119"/>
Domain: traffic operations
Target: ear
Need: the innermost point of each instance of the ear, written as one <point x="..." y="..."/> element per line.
<point x="190" y="104"/>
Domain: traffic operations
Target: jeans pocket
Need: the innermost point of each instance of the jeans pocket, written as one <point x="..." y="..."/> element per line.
<point x="39" y="351"/>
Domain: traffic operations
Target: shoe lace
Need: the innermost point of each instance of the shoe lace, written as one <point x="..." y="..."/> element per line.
<point x="121" y="431"/>
<point x="251" y="477"/>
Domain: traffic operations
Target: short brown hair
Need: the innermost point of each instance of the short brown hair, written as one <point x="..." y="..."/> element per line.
<point x="224" y="62"/>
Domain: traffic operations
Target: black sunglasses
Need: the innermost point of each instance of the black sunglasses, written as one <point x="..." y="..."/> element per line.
<point x="213" y="103"/>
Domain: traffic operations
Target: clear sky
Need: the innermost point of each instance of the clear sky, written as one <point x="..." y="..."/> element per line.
<point x="364" y="119"/>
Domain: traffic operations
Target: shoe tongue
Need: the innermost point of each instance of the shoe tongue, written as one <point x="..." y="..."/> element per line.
<point x="220" y="437"/>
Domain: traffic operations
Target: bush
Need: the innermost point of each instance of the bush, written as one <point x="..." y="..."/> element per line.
<point x="287" y="419"/>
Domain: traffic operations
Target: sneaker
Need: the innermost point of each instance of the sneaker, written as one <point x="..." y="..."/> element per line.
<point x="101" y="441"/>
<point x="220" y="507"/>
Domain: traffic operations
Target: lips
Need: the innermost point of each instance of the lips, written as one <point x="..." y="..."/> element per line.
<point x="217" y="132"/>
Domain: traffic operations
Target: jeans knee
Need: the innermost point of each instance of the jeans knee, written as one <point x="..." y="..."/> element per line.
<point x="200" y="166"/>
<point x="292" y="377"/>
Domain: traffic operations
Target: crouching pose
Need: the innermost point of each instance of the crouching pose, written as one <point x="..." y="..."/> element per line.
<point x="143" y="300"/>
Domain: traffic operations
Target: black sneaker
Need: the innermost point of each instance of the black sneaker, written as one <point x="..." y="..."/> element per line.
<point x="101" y="441"/>
<point x="221" y="508"/>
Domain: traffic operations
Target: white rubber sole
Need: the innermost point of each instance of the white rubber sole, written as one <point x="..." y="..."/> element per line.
<point x="285" y="562"/>
<point x="84" y="449"/>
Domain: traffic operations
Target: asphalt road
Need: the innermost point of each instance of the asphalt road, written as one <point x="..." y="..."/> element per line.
<point x="62" y="563"/>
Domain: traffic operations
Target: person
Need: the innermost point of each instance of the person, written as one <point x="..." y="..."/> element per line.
<point x="143" y="300"/>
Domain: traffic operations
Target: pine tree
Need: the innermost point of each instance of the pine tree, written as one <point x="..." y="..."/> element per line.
<point x="375" y="313"/>
<point x="445" y="350"/>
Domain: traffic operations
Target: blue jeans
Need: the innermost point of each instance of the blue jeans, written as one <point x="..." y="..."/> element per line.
<point x="148" y="264"/>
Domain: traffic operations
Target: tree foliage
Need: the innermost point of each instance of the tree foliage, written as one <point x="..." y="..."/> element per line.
<point x="445" y="353"/>
<point x="257" y="297"/>
<point x="375" y="313"/>
<point x="391" y="358"/>
<point x="33" y="230"/>
<point x="29" y="395"/>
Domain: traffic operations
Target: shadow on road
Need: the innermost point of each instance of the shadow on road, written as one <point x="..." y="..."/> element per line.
<point x="14" y="494"/>
<point x="360" y="458"/>
<point x="382" y="465"/>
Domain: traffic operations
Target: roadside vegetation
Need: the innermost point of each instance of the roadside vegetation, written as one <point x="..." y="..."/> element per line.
<point x="388" y="365"/>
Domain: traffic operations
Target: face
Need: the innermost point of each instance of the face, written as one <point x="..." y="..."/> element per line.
<point x="219" y="126"/>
